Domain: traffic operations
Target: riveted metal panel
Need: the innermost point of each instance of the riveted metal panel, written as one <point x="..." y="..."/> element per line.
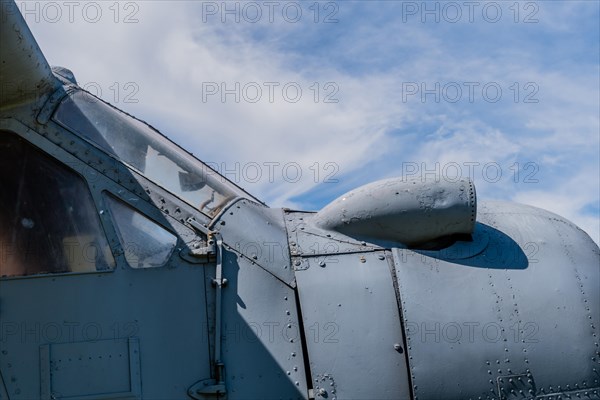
<point x="352" y="328"/>
<point x="259" y="234"/>
<point x="526" y="305"/>
<point x="306" y="239"/>
<point x="588" y="394"/>
<point x="24" y="71"/>
<point x="261" y="343"/>
<point x="515" y="386"/>
<point x="159" y="306"/>
<point x="105" y="369"/>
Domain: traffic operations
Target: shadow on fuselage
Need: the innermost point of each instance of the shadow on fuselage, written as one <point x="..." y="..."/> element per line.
<point x="487" y="248"/>
<point x="261" y="337"/>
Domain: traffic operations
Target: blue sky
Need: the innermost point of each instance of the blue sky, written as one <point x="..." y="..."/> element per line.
<point x="507" y="92"/>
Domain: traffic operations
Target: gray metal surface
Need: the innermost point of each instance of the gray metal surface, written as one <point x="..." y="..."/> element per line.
<point x="306" y="239"/>
<point x="116" y="305"/>
<point x="526" y="305"/>
<point x="3" y="394"/>
<point x="76" y="370"/>
<point x="259" y="234"/>
<point x="352" y="327"/>
<point x="404" y="211"/>
<point x="44" y="310"/>
<point x="261" y="342"/>
<point x="307" y="304"/>
<point x="25" y="75"/>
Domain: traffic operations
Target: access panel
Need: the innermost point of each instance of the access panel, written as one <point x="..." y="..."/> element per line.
<point x="352" y="327"/>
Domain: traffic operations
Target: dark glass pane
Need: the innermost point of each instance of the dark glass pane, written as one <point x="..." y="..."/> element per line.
<point x="48" y="222"/>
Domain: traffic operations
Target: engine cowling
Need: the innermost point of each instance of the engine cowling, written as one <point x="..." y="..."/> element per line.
<point x="410" y="212"/>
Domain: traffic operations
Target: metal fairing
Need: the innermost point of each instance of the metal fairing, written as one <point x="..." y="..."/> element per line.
<point x="404" y="210"/>
<point x="517" y="319"/>
<point x="259" y="234"/>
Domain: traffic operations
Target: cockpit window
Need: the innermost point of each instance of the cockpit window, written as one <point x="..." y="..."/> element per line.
<point x="145" y="243"/>
<point x="48" y="221"/>
<point x="146" y="150"/>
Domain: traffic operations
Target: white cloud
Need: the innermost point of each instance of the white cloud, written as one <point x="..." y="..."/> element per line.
<point x="171" y="55"/>
<point x="569" y="200"/>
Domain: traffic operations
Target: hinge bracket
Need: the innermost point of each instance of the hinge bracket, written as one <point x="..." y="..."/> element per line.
<point x="213" y="388"/>
<point x="199" y="251"/>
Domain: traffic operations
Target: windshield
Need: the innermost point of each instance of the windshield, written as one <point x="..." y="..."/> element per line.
<point x="147" y="151"/>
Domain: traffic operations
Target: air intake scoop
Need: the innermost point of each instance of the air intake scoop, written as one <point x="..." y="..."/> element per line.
<point x="410" y="212"/>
